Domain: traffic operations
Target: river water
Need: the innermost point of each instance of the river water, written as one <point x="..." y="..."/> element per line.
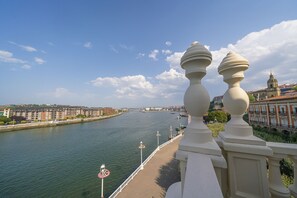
<point x="64" y="161"/>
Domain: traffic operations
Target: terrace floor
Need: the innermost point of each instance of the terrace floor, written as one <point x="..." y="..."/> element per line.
<point x="156" y="177"/>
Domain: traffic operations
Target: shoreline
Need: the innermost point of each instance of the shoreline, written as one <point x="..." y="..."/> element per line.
<point x="18" y="127"/>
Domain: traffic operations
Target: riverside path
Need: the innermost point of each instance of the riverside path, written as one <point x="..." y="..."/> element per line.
<point x="158" y="174"/>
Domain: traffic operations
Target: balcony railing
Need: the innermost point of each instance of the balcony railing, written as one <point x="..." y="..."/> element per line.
<point x="281" y="151"/>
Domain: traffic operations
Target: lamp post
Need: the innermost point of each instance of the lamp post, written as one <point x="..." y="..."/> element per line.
<point x="158" y="135"/>
<point x="102" y="179"/>
<point x="102" y="174"/>
<point x="141" y="146"/>
<point x="170" y="133"/>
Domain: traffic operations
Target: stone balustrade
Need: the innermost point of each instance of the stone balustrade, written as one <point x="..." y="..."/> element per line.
<point x="237" y="157"/>
<point x="281" y="151"/>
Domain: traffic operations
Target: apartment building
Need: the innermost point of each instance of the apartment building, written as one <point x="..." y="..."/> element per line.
<point x="278" y="113"/>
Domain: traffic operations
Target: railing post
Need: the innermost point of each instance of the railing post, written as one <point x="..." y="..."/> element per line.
<point x="246" y="154"/>
<point x="293" y="187"/>
<point x="277" y="188"/>
<point x="197" y="137"/>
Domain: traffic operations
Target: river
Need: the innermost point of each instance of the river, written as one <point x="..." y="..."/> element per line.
<point x="64" y="161"/>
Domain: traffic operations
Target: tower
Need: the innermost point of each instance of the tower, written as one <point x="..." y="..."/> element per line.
<point x="272" y="87"/>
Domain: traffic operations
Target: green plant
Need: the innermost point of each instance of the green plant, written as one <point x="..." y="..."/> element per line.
<point x="216" y="128"/>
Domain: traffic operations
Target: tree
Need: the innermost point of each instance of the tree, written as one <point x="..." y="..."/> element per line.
<point x="219" y="116"/>
<point x="4" y="119"/>
<point x="251" y="97"/>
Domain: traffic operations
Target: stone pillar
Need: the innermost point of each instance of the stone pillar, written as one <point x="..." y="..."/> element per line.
<point x="246" y="154"/>
<point x="197" y="137"/>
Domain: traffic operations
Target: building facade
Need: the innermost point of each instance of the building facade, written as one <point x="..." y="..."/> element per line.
<point x="278" y="113"/>
<point x="49" y="113"/>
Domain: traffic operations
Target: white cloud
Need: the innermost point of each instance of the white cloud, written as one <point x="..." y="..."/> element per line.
<point x="166" y="52"/>
<point x="39" y="61"/>
<point x="168" y="43"/>
<point x="50" y="43"/>
<point x="24" y="47"/>
<point x="171" y="75"/>
<point x="153" y="54"/>
<point x="174" y="60"/>
<point x="140" y="55"/>
<point x="88" y="45"/>
<point x="269" y="49"/>
<point x="26" y="66"/>
<point x="127" y="86"/>
<point x="7" y="57"/>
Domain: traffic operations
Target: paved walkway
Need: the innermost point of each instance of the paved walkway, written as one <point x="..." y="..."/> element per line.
<point x="156" y="177"/>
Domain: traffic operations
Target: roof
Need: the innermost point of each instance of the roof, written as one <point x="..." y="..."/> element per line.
<point x="278" y="98"/>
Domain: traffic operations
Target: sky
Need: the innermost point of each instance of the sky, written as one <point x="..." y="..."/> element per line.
<point x="126" y="53"/>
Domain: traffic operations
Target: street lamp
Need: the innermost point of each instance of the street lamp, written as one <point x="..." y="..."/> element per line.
<point x="158" y="135"/>
<point x="170" y="133"/>
<point x="102" y="170"/>
<point x="141" y="146"/>
<point x="102" y="174"/>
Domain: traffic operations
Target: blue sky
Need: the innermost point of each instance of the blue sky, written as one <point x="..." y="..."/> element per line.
<point x="126" y="53"/>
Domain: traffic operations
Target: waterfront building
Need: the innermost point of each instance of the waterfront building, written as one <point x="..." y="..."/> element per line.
<point x="278" y="113"/>
<point x="55" y="112"/>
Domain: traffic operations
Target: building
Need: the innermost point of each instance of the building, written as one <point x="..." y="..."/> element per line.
<point x="279" y="113"/>
<point x="272" y="90"/>
<point x="55" y="112"/>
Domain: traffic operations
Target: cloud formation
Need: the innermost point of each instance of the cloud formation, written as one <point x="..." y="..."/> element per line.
<point x="88" y="45"/>
<point x="168" y="43"/>
<point x="26" y="67"/>
<point x="24" y="47"/>
<point x="273" y="49"/>
<point x="7" y="57"/>
<point x="39" y="61"/>
<point x="153" y="55"/>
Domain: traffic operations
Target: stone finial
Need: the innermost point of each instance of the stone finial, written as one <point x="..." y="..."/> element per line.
<point x="196" y="58"/>
<point x="235" y="99"/>
<point x="232" y="67"/>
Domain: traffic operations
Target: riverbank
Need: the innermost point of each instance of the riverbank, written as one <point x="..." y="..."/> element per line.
<point x="17" y="127"/>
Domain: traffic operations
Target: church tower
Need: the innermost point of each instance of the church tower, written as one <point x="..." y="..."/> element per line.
<point x="272" y="87"/>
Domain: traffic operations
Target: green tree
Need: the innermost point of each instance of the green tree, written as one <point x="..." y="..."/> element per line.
<point x="4" y="119"/>
<point x="217" y="116"/>
<point x="251" y="97"/>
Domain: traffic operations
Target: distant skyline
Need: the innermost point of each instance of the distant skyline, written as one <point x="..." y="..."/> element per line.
<point x="126" y="53"/>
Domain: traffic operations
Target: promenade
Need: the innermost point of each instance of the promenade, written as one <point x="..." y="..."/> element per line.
<point x="158" y="174"/>
<point x="17" y="127"/>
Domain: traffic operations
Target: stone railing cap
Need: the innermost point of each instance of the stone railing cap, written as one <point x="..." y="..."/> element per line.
<point x="233" y="60"/>
<point x="194" y="52"/>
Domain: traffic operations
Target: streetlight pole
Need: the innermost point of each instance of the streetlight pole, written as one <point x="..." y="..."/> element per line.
<point x="170" y="133"/>
<point x="102" y="174"/>
<point x="158" y="135"/>
<point x="102" y="170"/>
<point x="141" y="146"/>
